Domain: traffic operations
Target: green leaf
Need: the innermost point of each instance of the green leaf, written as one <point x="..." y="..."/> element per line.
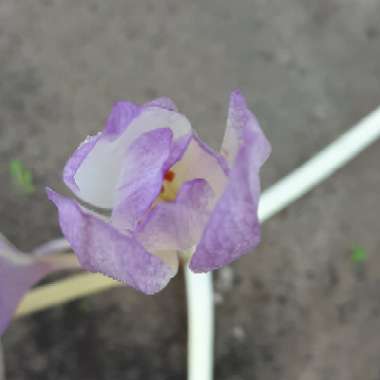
<point x="359" y="255"/>
<point x="22" y="177"/>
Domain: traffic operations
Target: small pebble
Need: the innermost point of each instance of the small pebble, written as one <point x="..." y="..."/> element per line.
<point x="225" y="279"/>
<point x="238" y="333"/>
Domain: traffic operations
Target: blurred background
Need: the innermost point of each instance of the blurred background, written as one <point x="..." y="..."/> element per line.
<point x="305" y="305"/>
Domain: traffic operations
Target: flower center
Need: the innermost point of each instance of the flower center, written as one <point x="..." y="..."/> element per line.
<point x="169" y="187"/>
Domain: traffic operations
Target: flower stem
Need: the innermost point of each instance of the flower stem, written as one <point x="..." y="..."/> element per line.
<point x="52" y="246"/>
<point x="200" y="310"/>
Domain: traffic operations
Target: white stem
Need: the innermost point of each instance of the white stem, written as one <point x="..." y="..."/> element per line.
<point x="200" y="311"/>
<point x="52" y="246"/>
<point x="320" y="167"/>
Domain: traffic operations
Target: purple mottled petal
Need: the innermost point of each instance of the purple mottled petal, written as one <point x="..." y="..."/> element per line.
<point x="233" y="229"/>
<point x="93" y="170"/>
<point x="18" y="273"/>
<point x="141" y="177"/>
<point x="200" y="161"/>
<point x="102" y="248"/>
<point x="243" y="125"/>
<point x="178" y="149"/>
<point x="174" y="226"/>
<point x="120" y="117"/>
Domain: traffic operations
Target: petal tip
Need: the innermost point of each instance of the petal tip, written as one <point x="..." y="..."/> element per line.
<point x="122" y="113"/>
<point x="52" y="195"/>
<point x="237" y="98"/>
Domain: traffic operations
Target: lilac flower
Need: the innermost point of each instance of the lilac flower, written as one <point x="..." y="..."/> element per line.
<point x="154" y="189"/>
<point x="19" y="272"/>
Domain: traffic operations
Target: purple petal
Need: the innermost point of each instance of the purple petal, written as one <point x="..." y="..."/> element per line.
<point x="178" y="149"/>
<point x="120" y="117"/>
<point x="200" y="161"/>
<point x="233" y="229"/>
<point x="102" y="248"/>
<point x="242" y="125"/>
<point x="174" y="226"/>
<point x="92" y="172"/>
<point x="141" y="177"/>
<point x="18" y="273"/>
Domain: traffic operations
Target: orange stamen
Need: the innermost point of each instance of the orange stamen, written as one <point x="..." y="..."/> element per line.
<point x="169" y="176"/>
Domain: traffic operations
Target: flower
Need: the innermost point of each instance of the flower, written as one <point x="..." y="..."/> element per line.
<point x="154" y="189"/>
<point x="20" y="271"/>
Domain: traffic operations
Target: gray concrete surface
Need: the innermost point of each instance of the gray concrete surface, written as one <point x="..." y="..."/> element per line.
<point x="298" y="308"/>
<point x="2" y="364"/>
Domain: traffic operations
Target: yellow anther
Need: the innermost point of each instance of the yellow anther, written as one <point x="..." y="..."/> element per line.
<point x="170" y="187"/>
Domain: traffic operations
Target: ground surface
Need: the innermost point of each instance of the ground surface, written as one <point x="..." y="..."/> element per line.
<point x="297" y="309"/>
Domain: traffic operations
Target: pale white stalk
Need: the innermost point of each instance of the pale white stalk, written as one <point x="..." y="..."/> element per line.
<point x="321" y="166"/>
<point x="52" y="246"/>
<point x="200" y="317"/>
